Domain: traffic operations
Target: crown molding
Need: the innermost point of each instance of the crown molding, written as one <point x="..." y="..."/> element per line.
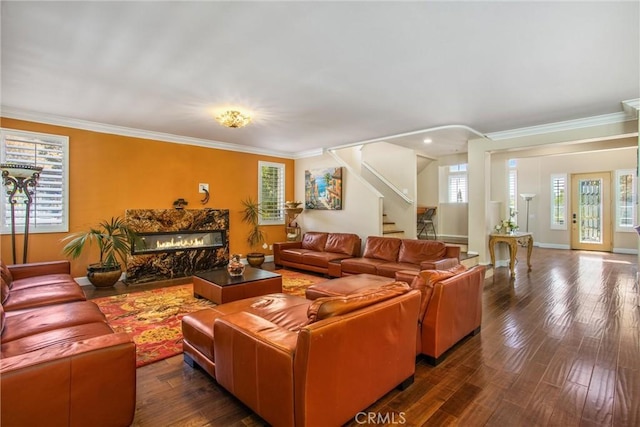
<point x="586" y="122"/>
<point x="14" y="113"/>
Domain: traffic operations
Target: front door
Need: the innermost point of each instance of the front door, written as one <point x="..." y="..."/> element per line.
<point x="591" y="227"/>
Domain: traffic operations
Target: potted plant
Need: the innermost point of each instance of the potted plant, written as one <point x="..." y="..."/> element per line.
<point x="114" y="239"/>
<point x="251" y="213"/>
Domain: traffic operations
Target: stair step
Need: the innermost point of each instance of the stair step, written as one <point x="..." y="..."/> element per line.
<point x="389" y="226"/>
<point x="393" y="233"/>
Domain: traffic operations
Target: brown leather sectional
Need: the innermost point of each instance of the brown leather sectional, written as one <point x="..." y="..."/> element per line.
<point x="450" y="307"/>
<point x="385" y="256"/>
<point x="338" y="254"/>
<point x="60" y="362"/>
<point x="318" y="252"/>
<point x="299" y="362"/>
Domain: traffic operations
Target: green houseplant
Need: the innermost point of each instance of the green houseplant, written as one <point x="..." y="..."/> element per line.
<point x="113" y="238"/>
<point x="251" y="212"/>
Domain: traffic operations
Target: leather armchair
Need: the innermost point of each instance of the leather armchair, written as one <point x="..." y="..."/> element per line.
<point x="300" y="362"/>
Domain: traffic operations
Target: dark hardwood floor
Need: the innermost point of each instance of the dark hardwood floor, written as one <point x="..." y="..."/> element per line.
<point x="559" y="346"/>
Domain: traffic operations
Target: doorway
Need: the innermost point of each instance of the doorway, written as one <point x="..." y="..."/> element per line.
<point x="591" y="227"/>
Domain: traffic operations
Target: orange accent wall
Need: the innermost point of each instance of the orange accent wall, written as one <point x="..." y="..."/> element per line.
<point x="111" y="173"/>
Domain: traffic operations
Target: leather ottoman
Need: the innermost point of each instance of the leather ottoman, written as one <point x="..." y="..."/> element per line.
<point x="346" y="285"/>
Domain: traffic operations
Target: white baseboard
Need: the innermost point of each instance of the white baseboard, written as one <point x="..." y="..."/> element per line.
<point x="551" y="245"/>
<point x="625" y="251"/>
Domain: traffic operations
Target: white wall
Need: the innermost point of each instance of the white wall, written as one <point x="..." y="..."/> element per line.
<point x="398" y="166"/>
<point x="361" y="208"/>
<point x="534" y="177"/>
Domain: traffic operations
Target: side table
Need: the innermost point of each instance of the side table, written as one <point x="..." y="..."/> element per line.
<point x="512" y="240"/>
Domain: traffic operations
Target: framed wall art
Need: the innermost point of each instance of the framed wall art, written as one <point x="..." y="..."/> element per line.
<point x="323" y="189"/>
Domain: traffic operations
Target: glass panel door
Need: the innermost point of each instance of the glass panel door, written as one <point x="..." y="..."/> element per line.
<point x="591" y="212"/>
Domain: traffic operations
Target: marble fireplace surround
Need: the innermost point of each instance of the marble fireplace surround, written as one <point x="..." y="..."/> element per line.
<point x="175" y="263"/>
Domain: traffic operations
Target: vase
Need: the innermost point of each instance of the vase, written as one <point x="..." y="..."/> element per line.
<point x="235" y="266"/>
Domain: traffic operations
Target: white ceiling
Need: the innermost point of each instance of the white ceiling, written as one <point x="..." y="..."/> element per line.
<point x="320" y="74"/>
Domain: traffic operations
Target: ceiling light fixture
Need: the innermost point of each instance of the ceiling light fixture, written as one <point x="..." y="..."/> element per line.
<point x="233" y="119"/>
<point x="428" y="141"/>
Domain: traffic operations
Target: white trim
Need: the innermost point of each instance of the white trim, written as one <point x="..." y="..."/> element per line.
<point x="14" y="113"/>
<point x="387" y="182"/>
<point x="604" y="119"/>
<point x="552" y="246"/>
<point x="631" y="107"/>
<point x="625" y="251"/>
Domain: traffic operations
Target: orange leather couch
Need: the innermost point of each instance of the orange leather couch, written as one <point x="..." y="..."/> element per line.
<point x="318" y="252"/>
<point x="60" y="362"/>
<point x="450" y="307"/>
<point x="297" y="362"/>
<point x="384" y="256"/>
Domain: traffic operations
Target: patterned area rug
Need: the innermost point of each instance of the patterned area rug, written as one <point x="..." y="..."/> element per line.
<point x="153" y="317"/>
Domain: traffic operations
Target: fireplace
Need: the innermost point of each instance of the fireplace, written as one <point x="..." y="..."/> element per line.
<point x="173" y="241"/>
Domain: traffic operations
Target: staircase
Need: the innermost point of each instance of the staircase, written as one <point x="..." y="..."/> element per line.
<point x="389" y="228"/>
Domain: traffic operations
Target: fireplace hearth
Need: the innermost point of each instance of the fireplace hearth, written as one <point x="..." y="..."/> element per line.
<point x="173" y="243"/>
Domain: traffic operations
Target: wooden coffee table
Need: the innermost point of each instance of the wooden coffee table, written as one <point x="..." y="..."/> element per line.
<point x="218" y="286"/>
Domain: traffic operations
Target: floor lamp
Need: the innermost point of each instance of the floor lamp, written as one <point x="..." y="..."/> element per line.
<point x="527" y="197"/>
<point x="20" y="179"/>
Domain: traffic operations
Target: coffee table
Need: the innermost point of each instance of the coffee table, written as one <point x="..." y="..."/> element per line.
<point x="218" y="286"/>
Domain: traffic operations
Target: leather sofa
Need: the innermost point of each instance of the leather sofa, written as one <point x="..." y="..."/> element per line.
<point x="450" y="307"/>
<point x="318" y="252"/>
<point x="299" y="362"/>
<point x="60" y="362"/>
<point x="385" y="256"/>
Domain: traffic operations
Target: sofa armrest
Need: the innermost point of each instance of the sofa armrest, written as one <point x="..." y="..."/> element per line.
<point x="441" y="264"/>
<point x="90" y="382"/>
<point x="452" y="251"/>
<point x="454" y="311"/>
<point x="278" y="246"/>
<point x="254" y="361"/>
<point x="22" y="271"/>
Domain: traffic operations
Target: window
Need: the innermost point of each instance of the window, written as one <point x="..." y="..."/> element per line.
<point x="49" y="210"/>
<point x="513" y="186"/>
<point x="271" y="192"/>
<point x="559" y="202"/>
<point x="625" y="200"/>
<point x="458" y="183"/>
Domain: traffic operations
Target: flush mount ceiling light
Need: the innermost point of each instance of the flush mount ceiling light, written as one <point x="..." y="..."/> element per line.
<point x="428" y="141"/>
<point x="233" y="119"/>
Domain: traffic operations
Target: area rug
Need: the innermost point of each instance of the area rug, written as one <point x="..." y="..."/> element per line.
<point x="153" y="318"/>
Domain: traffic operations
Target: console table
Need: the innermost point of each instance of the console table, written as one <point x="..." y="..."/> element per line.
<point x="512" y="240"/>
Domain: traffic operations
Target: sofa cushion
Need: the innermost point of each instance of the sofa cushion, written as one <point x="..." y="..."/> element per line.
<point x="46" y="279"/>
<point x="389" y="269"/>
<point x="293" y="254"/>
<point x="385" y="248"/>
<point x="360" y="265"/>
<point x="414" y="251"/>
<point x="44" y="295"/>
<point x="55" y="337"/>
<point x="322" y="259"/>
<point x="5" y="273"/>
<point x="31" y="322"/>
<point x="342" y="243"/>
<point x="326" y="307"/>
<point x="314" y="241"/>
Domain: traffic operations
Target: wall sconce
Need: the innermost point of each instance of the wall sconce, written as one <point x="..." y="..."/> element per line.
<point x="20" y="179"/>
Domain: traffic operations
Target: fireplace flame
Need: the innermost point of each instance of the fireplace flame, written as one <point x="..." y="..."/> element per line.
<point x="181" y="243"/>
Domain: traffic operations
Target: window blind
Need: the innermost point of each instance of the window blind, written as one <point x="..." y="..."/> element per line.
<point x="271" y="192"/>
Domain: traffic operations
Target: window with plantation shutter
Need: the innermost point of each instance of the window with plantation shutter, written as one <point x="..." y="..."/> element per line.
<point x="513" y="186"/>
<point x="49" y="210"/>
<point x="458" y="183"/>
<point x="559" y="202"/>
<point x="271" y="192"/>
<point x="625" y="200"/>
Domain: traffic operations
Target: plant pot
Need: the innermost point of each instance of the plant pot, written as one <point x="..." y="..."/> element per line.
<point x="255" y="259"/>
<point x="103" y="276"/>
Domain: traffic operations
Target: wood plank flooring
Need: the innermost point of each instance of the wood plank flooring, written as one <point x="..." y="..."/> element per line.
<point x="560" y="346"/>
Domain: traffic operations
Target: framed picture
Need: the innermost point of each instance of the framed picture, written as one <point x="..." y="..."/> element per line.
<point x="323" y="189"/>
